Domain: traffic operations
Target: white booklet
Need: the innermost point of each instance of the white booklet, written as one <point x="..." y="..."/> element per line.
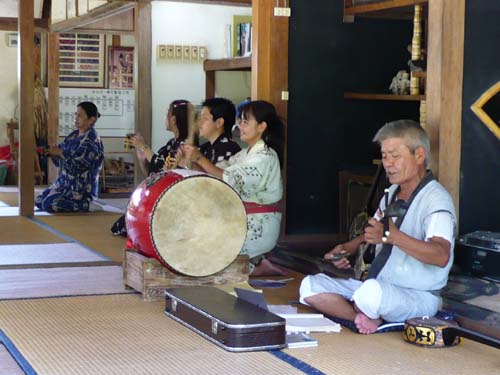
<point x="300" y="340"/>
<point x="309" y="323"/>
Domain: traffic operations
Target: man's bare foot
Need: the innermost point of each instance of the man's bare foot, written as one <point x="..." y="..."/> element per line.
<point x="365" y="325"/>
<point x="266" y="268"/>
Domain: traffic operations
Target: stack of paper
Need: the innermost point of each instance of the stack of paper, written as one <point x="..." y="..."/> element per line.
<point x="300" y="340"/>
<point x="309" y="323"/>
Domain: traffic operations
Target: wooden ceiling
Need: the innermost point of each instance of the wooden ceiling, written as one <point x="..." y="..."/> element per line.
<point x="10" y="8"/>
<point x="9" y="11"/>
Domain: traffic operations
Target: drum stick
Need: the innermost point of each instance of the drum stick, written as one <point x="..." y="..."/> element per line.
<point x="386" y="219"/>
<point x="336" y="257"/>
<point x="192" y="128"/>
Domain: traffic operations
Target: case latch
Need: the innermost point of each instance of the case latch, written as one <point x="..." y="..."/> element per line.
<point x="215" y="327"/>
<point x="174" y="305"/>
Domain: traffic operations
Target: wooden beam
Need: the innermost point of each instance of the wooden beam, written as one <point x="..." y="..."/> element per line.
<point x="444" y="90"/>
<point x="53" y="98"/>
<point x="244" y="3"/>
<point x="209" y="84"/>
<point x="97" y="14"/>
<point x="351" y="9"/>
<point x="122" y="23"/>
<point x="26" y="108"/>
<point x="143" y="98"/>
<point x="269" y="55"/>
<point x="46" y="9"/>
<point x="10" y="24"/>
<point x="116" y="41"/>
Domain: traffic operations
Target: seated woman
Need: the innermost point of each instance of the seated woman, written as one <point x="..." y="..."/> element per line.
<point x="176" y="121"/>
<point x="255" y="174"/>
<point x="80" y="157"/>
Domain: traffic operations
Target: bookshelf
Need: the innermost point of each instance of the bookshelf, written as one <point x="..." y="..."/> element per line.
<point x="394" y="9"/>
<point x="237" y="63"/>
<point x="212" y="66"/>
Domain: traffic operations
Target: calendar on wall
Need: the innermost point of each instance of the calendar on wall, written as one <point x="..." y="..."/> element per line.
<point x="117" y="109"/>
<point x="81" y="60"/>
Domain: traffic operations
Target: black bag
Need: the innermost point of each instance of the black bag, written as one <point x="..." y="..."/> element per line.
<point x="119" y="228"/>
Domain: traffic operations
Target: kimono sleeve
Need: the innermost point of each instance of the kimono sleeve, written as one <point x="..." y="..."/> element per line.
<point x="248" y="176"/>
<point x="82" y="157"/>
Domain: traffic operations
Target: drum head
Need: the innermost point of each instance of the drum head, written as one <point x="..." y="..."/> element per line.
<point x="198" y="226"/>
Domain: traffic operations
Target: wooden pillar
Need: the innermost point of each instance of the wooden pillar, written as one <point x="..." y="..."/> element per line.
<point x="210" y="84"/>
<point x="116" y="41"/>
<point x="53" y="97"/>
<point x="26" y="107"/>
<point x="444" y="90"/>
<point x="269" y="55"/>
<point x="270" y="68"/>
<point x="143" y="107"/>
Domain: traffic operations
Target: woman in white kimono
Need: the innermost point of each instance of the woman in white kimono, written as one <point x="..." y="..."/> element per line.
<point x="255" y="174"/>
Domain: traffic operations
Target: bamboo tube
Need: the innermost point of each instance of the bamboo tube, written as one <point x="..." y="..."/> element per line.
<point x="416" y="47"/>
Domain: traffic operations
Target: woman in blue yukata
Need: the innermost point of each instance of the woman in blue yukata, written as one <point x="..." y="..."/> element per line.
<point x="80" y="157"/>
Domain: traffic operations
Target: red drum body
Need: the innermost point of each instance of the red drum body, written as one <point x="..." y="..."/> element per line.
<point x="193" y="223"/>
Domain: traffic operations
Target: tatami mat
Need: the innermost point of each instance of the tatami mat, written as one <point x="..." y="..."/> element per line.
<point x="46" y="254"/>
<point x="9" y="197"/>
<point x="67" y="281"/>
<point x="12" y="361"/>
<point x="14" y="211"/>
<point x="486" y="302"/>
<point x="8" y="365"/>
<point x="21" y="230"/>
<point x="10" y="194"/>
<point x="348" y="353"/>
<point x="92" y="230"/>
<point x="119" y="335"/>
<point x="118" y="203"/>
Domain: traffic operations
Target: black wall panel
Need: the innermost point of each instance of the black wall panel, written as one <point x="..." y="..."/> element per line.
<point x="480" y="163"/>
<point x="327" y="133"/>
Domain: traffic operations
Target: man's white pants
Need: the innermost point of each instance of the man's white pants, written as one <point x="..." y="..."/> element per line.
<point x="376" y="299"/>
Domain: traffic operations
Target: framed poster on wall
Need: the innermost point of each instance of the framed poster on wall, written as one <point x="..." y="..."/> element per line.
<point x="121" y="67"/>
<point x="81" y="60"/>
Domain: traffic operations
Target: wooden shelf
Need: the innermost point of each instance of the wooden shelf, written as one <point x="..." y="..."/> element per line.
<point x="383" y="8"/>
<point x="373" y="96"/>
<point x="238" y="63"/>
<point x="420" y="74"/>
<point x="240" y="3"/>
